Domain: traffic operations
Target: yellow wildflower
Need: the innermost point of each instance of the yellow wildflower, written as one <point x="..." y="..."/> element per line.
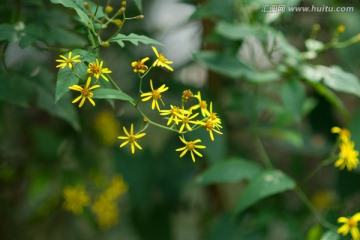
<point x="210" y="126"/>
<point x="161" y="60"/>
<point x="106" y="211"/>
<point x="76" y="199"/>
<point x="172" y="112"/>
<point x="139" y="66"/>
<point x="350" y="224"/>
<point x="155" y="94"/>
<point x="344" y="134"/>
<point x="85" y="92"/>
<point x="106" y="127"/>
<point x="190" y="147"/>
<point x="202" y="105"/>
<point x="213" y="116"/>
<point x="96" y="68"/>
<point x="67" y="61"/>
<point x="185" y="118"/>
<point x="117" y="188"/>
<point x="131" y="138"/>
<point x="348" y="157"/>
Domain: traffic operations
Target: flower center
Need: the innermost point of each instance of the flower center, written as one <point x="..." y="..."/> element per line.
<point x="156" y="94"/>
<point x="174" y="110"/>
<point x="352" y="223"/>
<point x="209" y="125"/>
<point x="86" y="92"/>
<point x="203" y="105"/>
<point x="94" y="68"/>
<point x="132" y="138"/>
<point x="185" y="120"/>
<point x="162" y="58"/>
<point x="213" y="116"/>
<point x="190" y="146"/>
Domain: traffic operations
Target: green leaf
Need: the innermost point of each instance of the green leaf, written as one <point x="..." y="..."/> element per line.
<point x="333" y="77"/>
<point x="111" y="94"/>
<point x="7" y="32"/>
<point x="240" y="31"/>
<point x="134" y="39"/>
<point x="337" y="79"/>
<point x="268" y="183"/>
<point x="67" y="77"/>
<point x="138" y="4"/>
<point x="313" y="45"/>
<point x="230" y="171"/>
<point x="314" y="233"/>
<point x="293" y="97"/>
<point x="330" y="96"/>
<point x="224" y="64"/>
<point x="330" y="235"/>
<point x="78" y="8"/>
<point x="15" y="89"/>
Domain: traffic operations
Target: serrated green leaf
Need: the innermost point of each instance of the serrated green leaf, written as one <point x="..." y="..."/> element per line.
<point x="268" y="183"/>
<point x="224" y="64"/>
<point x="76" y="5"/>
<point x="230" y="171"/>
<point x="111" y="94"/>
<point x="138" y="4"/>
<point x="134" y="39"/>
<point x="67" y="77"/>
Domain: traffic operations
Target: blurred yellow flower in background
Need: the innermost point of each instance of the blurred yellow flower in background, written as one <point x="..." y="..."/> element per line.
<point x="76" y="199"/>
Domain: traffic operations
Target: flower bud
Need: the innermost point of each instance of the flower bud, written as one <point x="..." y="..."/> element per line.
<point x="86" y="5"/>
<point x="340" y="29"/>
<point x="117" y="22"/>
<point x="140" y="17"/>
<point x="105" y="44"/>
<point x="109" y="9"/>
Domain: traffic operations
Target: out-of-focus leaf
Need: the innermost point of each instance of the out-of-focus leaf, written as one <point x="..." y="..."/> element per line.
<point x="262" y="77"/>
<point x="337" y="79"/>
<point x="138" y="4"/>
<point x="268" y="183"/>
<point x="330" y="96"/>
<point x="223" y="9"/>
<point x="293" y="97"/>
<point x="330" y="235"/>
<point x="134" y="39"/>
<point x="7" y="32"/>
<point x="333" y="77"/>
<point x="230" y="171"/>
<point x="67" y="77"/>
<point x="78" y="8"/>
<point x="224" y="64"/>
<point x="287" y="135"/>
<point x="313" y="45"/>
<point x="314" y="233"/>
<point x="111" y="94"/>
<point x="15" y="89"/>
<point x="240" y="31"/>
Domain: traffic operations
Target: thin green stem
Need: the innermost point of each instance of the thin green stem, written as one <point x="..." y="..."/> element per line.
<point x="263" y="154"/>
<point x="323" y="163"/>
<point x="139" y="110"/>
<point x="313" y="209"/>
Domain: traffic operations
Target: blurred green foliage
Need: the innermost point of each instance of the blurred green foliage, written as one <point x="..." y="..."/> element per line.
<point x="279" y="82"/>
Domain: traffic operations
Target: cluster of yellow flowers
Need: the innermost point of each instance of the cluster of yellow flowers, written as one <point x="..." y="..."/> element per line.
<point x="180" y="118"/>
<point x="348" y="156"/>
<point x="105" y="207"/>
